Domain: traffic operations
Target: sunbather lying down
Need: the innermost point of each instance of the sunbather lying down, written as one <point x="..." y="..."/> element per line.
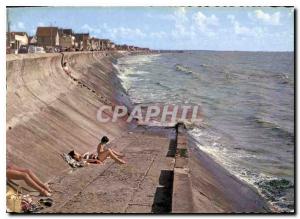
<point x="17" y="173"/>
<point x="101" y="155"/>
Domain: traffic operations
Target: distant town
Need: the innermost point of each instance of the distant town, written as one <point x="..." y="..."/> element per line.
<point x="55" y="39"/>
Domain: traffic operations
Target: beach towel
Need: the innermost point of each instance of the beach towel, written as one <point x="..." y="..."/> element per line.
<point x="73" y="163"/>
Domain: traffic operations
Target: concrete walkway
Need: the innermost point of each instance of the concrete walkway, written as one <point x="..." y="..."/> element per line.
<point x="143" y="185"/>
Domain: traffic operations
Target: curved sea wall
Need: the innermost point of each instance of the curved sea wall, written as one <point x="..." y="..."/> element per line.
<point x="49" y="113"/>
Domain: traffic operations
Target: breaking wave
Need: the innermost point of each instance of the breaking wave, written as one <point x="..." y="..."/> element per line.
<point x="184" y="69"/>
<point x="275" y="190"/>
<point x="247" y="101"/>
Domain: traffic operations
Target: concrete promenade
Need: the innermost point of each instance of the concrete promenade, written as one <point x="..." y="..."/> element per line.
<point x="143" y="185"/>
<point x="50" y="112"/>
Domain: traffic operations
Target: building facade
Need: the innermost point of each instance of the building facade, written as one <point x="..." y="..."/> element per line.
<point x="47" y="36"/>
<point x="82" y="42"/>
<point x="66" y="39"/>
<point x="14" y="40"/>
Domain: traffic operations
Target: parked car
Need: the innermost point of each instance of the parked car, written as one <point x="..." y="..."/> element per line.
<point x="23" y="49"/>
<point x="62" y="49"/>
<point x="49" y="49"/>
<point x="57" y="49"/>
<point x="31" y="49"/>
<point x="40" y="50"/>
<point x="36" y="49"/>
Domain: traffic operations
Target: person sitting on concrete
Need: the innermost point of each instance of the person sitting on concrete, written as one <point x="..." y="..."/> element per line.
<point x="65" y="68"/>
<point x="17" y="173"/>
<point x="101" y="155"/>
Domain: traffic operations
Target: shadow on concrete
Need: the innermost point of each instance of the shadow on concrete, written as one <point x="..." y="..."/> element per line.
<point x="172" y="148"/>
<point x="163" y="195"/>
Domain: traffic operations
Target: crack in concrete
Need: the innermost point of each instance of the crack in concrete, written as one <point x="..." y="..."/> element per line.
<point x="139" y="204"/>
<point x="83" y="187"/>
<point x="139" y="184"/>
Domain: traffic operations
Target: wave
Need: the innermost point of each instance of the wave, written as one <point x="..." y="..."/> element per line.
<point x="184" y="69"/>
<point x="261" y="162"/>
<point x="138" y="60"/>
<point x="188" y="71"/>
<point x="204" y="65"/>
<point x="162" y="85"/>
<point x="274" y="190"/>
<point x="285" y="79"/>
<point x="280" y="78"/>
<point x="280" y="131"/>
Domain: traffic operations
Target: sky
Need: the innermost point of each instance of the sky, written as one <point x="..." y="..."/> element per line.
<point x="181" y="28"/>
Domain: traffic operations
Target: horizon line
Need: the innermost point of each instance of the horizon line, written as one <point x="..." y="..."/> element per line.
<point x="211" y="50"/>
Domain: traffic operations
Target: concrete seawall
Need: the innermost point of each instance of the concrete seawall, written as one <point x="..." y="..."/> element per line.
<point x="201" y="185"/>
<point x="50" y="112"/>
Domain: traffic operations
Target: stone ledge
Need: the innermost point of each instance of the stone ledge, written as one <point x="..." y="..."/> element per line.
<point x="182" y="201"/>
<point x="181" y="162"/>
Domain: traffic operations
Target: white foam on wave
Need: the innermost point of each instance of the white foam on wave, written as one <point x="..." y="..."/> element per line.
<point x="210" y="143"/>
<point x="126" y="67"/>
<point x="140" y="59"/>
<point x="224" y="147"/>
<point x="123" y="75"/>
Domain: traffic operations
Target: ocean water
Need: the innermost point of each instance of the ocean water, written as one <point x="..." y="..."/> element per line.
<point x="247" y="100"/>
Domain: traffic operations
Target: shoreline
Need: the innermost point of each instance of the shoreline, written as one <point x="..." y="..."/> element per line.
<point x="239" y="193"/>
<point x="48" y="113"/>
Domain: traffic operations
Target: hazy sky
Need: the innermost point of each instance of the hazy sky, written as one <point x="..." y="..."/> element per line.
<point x="204" y="28"/>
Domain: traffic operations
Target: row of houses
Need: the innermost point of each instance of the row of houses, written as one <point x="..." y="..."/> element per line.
<point x="54" y="39"/>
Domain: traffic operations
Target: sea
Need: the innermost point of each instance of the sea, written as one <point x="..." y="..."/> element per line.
<point x="248" y="102"/>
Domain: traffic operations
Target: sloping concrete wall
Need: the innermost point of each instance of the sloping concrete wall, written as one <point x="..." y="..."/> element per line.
<point x="49" y="113"/>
